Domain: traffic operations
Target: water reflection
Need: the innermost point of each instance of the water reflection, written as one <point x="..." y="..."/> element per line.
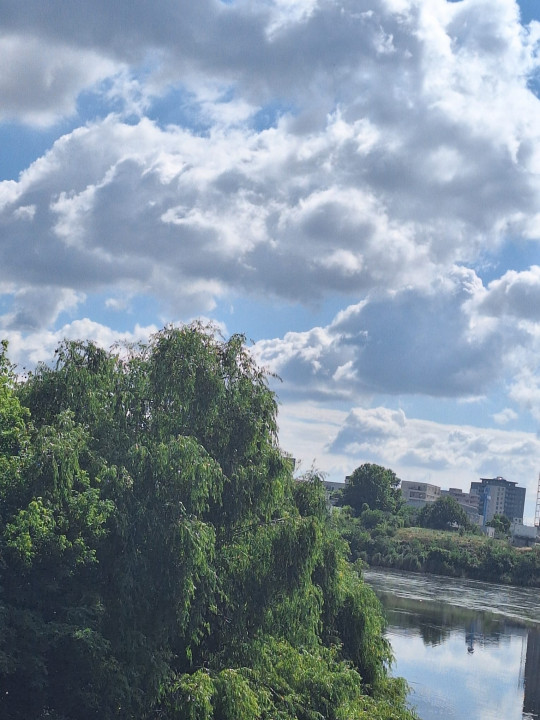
<point x="467" y="649"/>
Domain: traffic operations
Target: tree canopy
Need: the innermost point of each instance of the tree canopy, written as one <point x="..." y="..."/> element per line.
<point x="442" y="514"/>
<point x="501" y="524"/>
<point x="374" y="486"/>
<point x="157" y="559"/>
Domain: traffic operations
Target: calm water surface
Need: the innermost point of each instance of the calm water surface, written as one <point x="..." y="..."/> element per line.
<point x="469" y="650"/>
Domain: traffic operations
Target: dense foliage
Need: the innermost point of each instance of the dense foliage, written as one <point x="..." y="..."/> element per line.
<point x="157" y="560"/>
<point x="501" y="524"/>
<point x="382" y="540"/>
<point x="443" y="514"/>
<point x="438" y="538"/>
<point x="373" y="486"/>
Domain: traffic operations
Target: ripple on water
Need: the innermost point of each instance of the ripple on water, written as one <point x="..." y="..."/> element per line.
<point x="519" y="604"/>
<point x="469" y="650"/>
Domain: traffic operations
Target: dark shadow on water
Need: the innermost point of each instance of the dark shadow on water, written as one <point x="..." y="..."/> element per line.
<point x="531" y="702"/>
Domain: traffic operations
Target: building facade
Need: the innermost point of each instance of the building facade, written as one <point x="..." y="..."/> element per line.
<point x="497" y="496"/>
<point x="330" y="489"/>
<point x="467" y="502"/>
<point x="417" y="494"/>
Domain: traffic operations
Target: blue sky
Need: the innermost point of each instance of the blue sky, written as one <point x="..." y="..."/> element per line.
<point x="353" y="185"/>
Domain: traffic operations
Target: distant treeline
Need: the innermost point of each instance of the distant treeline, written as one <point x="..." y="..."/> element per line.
<point x="381" y="531"/>
<point x="448" y="553"/>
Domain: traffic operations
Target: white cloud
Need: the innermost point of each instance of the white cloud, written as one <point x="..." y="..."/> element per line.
<point x="376" y="151"/>
<point x="40" y="81"/>
<point x="414" y="341"/>
<point x="447" y="455"/>
<point x="505" y="416"/>
<point x="525" y="390"/>
<point x="25" y="212"/>
<point x="34" y="308"/>
<point x="27" y="349"/>
<point x="118" y="304"/>
<point x="516" y="294"/>
<point x="369" y="428"/>
<point x="404" y="146"/>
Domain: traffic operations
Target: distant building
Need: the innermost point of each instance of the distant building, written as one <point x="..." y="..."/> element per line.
<point x="330" y="489"/>
<point x="467" y="502"/>
<point x="497" y="496"/>
<point x="523" y="535"/>
<point x="418" y="494"/>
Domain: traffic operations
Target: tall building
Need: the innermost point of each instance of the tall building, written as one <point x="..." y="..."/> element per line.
<point x="497" y="496"/>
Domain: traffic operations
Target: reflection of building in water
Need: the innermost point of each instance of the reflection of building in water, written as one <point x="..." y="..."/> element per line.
<point x="472" y="633"/>
<point x="531" y="702"/>
<point x="483" y="629"/>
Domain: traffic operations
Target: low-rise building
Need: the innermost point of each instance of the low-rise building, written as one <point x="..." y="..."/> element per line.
<point x="417" y="494"/>
<point x="466" y="501"/>
<point x="523" y="535"/>
<point x="331" y="488"/>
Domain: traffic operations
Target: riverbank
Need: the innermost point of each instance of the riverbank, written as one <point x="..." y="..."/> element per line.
<point x="449" y="553"/>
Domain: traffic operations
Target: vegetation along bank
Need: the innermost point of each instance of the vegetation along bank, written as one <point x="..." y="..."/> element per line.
<point x="382" y="531"/>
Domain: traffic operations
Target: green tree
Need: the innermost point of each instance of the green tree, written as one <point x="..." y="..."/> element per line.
<point x="501" y="524"/>
<point x="374" y="486"/>
<point x="157" y="559"/>
<point x="54" y="521"/>
<point x="443" y="514"/>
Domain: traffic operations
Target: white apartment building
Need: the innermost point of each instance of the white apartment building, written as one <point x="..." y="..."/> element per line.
<point x="417" y="494"/>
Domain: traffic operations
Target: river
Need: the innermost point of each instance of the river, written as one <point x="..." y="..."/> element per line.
<point x="469" y="650"/>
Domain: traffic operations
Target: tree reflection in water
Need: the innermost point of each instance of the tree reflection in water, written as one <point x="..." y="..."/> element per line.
<point x="498" y="675"/>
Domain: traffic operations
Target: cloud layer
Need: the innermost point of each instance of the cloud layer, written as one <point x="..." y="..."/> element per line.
<point x="384" y="155"/>
<point x="436" y="341"/>
<point x="400" y="139"/>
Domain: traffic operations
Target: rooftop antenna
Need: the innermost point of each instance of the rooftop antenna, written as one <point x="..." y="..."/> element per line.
<point x="537" y="512"/>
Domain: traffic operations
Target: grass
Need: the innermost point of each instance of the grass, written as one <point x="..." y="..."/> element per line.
<point x="446" y="537"/>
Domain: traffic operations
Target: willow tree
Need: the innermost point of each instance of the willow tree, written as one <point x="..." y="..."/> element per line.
<point x="157" y="558"/>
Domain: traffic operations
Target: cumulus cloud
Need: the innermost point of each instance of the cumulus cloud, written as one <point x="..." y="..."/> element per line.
<point x="525" y="390"/>
<point x="416" y="449"/>
<point x="516" y="294"/>
<point x="368" y="429"/>
<point x="40" y="82"/>
<point x="34" y="308"/>
<point x="402" y="139"/>
<point x="505" y="416"/>
<point x="28" y="349"/>
<point x="415" y="341"/>
<point x="181" y="215"/>
<point x="377" y="152"/>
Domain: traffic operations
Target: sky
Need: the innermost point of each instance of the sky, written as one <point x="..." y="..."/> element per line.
<point x="353" y="184"/>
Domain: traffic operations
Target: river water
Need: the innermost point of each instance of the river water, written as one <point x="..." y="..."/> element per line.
<point x="469" y="650"/>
